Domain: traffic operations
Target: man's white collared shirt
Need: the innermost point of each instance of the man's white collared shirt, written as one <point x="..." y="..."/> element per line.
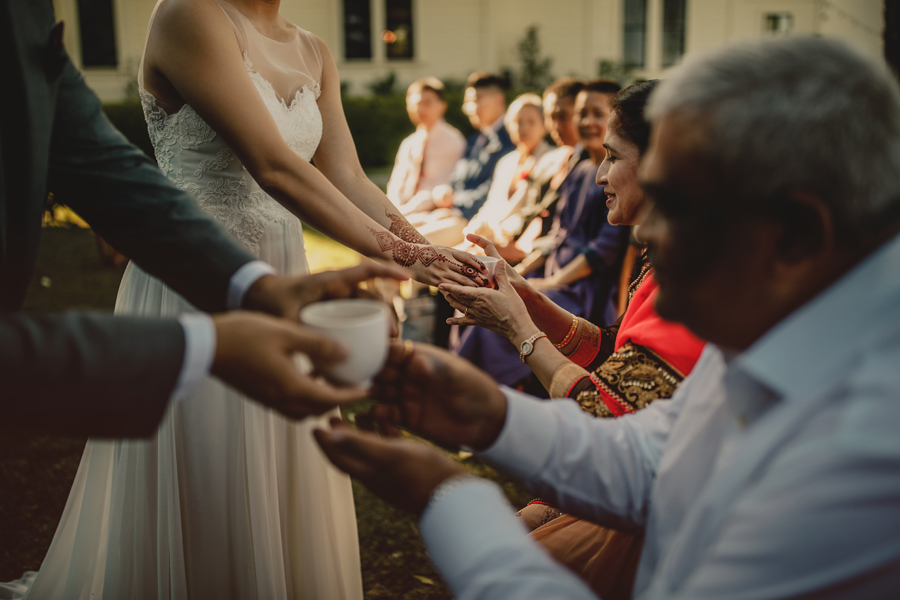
<point x="771" y="474"/>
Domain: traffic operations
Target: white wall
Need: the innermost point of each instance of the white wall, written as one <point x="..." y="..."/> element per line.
<point x="455" y="37"/>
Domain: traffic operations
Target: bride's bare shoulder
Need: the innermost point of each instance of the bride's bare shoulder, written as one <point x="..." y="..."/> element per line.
<point x="181" y="20"/>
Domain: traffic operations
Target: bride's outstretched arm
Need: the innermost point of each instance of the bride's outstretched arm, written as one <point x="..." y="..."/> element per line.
<point x="338" y="160"/>
<point x="192" y="54"/>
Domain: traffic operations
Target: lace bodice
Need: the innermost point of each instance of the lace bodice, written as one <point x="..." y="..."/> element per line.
<point x="198" y="161"/>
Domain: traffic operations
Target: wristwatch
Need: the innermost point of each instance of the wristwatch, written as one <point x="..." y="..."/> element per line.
<point x="527" y="346"/>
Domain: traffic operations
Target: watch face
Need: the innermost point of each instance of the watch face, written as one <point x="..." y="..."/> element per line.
<point x="526" y="348"/>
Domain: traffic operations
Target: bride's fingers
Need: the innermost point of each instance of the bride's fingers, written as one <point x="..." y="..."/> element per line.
<point x="475" y="276"/>
<point x="454" y="275"/>
<point x="468" y="259"/>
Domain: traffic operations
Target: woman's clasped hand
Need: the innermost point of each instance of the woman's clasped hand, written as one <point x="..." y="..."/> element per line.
<point x="501" y="308"/>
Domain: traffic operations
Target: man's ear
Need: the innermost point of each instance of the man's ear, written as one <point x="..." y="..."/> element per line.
<point x="807" y="226"/>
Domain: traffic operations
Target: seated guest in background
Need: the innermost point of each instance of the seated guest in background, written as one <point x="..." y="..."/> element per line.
<point x="485" y="105"/>
<point x="609" y="371"/>
<point x="582" y="269"/>
<point x="569" y="230"/>
<point x="512" y="239"/>
<point x="549" y="172"/>
<point x="773" y="227"/>
<point x="427" y="157"/>
<point x="525" y="123"/>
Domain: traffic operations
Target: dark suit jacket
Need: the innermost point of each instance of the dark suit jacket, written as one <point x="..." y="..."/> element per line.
<point x="544" y="187"/>
<point x="472" y="176"/>
<point x="54" y="137"/>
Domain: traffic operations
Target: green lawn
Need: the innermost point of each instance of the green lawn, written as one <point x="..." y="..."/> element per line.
<point x="36" y="470"/>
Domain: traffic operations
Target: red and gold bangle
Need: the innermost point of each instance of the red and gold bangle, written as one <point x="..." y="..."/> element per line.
<point x="569" y="335"/>
<point x="588" y="346"/>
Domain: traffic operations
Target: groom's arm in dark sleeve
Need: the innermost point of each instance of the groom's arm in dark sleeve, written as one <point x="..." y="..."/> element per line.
<point x="88" y="374"/>
<point x="128" y="201"/>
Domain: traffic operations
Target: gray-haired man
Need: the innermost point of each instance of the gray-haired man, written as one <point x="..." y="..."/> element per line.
<point x="774" y="178"/>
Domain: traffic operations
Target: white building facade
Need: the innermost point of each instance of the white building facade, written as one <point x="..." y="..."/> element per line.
<point x="451" y="38"/>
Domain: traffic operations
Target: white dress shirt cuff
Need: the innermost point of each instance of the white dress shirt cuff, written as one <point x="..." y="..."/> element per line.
<point x="466" y="525"/>
<point x="483" y="550"/>
<point x="527" y="438"/>
<point x="243" y="278"/>
<point x="199" y="351"/>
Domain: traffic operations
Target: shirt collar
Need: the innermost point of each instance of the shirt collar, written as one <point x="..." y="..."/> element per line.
<point x="495" y="126"/>
<point x="437" y="125"/>
<point x="818" y="340"/>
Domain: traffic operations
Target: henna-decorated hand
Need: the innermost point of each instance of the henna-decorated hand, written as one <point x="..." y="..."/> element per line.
<point x="453" y="266"/>
<point x="519" y="283"/>
<point x="431" y="265"/>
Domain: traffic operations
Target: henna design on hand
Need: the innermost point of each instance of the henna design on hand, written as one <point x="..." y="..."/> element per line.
<point x="403" y="230"/>
<point x="406" y="254"/>
<point x="473" y="274"/>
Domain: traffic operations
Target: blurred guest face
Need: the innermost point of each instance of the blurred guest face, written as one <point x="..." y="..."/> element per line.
<point x="618" y="173"/>
<point x="527" y="128"/>
<point x="559" y="120"/>
<point x="425" y="107"/>
<point x="483" y="106"/>
<point x="717" y="264"/>
<point x="591" y="115"/>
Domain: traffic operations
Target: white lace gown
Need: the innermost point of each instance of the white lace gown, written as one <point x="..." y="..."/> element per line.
<point x="229" y="499"/>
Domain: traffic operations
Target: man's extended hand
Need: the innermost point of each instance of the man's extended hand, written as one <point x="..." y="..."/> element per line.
<point x="255" y="354"/>
<point x="400" y="471"/>
<point x="439" y="396"/>
<point x="285" y="296"/>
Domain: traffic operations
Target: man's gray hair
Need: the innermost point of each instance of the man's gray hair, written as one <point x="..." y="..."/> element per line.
<point x="800" y="112"/>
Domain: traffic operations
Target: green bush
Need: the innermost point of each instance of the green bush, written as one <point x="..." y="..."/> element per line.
<point x="378" y="124"/>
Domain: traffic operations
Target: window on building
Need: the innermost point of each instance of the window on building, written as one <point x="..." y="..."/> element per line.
<point x="778" y="23"/>
<point x="98" y="33"/>
<point x="398" y="33"/>
<point x="635" y="32"/>
<point x="673" y="31"/>
<point x="357" y="29"/>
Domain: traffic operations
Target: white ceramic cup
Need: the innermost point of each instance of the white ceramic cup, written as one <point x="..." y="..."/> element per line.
<point x="490" y="263"/>
<point x="362" y="326"/>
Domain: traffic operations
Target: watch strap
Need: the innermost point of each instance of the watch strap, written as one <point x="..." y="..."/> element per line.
<point x="529" y="345"/>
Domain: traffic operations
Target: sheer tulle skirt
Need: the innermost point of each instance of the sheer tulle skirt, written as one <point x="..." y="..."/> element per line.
<point x="228" y="500"/>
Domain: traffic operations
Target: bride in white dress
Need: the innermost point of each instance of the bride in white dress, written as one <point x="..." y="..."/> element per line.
<point x="230" y="500"/>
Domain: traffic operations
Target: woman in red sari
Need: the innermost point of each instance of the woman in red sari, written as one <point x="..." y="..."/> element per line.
<point x="610" y="371"/>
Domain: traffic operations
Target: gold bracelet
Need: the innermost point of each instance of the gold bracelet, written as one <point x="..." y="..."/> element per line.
<point x="569" y="335"/>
